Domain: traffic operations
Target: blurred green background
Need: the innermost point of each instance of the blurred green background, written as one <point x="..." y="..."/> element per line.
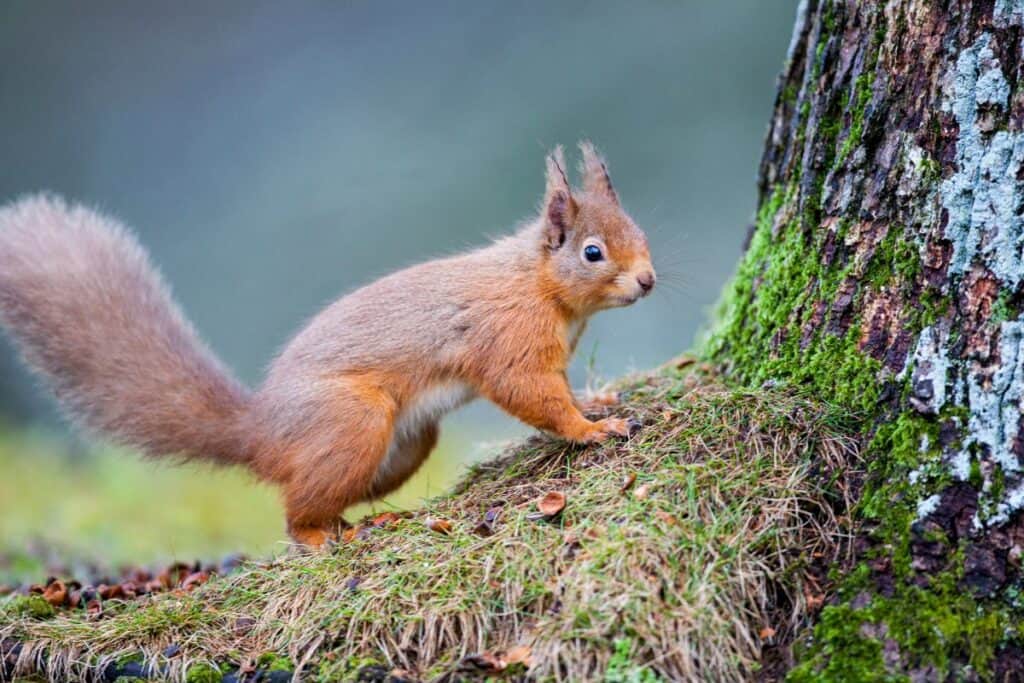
<point x="272" y="156"/>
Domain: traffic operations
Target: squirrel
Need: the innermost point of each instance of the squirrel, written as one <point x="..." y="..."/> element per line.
<point x="350" y="408"/>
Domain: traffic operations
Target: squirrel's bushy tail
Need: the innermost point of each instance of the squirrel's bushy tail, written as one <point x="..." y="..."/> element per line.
<point x="89" y="313"/>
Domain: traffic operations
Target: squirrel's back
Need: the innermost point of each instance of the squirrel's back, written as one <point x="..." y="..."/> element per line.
<point x="91" y="315"/>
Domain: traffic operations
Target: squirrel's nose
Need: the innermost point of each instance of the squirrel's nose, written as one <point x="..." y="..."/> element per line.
<point x="646" y="281"/>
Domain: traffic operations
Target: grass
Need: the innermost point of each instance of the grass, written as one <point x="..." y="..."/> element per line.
<point x="92" y="512"/>
<point x="682" y="554"/>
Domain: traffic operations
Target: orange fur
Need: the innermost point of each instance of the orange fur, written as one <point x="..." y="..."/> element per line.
<point x="350" y="409"/>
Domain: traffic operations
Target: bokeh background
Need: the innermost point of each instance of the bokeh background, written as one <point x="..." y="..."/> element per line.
<point x="275" y="155"/>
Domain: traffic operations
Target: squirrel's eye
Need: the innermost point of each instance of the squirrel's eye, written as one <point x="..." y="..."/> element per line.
<point x="593" y="253"/>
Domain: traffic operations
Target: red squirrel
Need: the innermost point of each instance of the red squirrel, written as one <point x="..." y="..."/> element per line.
<point x="350" y="408"/>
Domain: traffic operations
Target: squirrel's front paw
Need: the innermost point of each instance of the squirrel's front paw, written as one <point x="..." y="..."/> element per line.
<point x="611" y="426"/>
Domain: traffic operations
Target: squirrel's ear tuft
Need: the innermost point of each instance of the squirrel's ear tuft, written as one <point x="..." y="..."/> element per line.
<point x="594" y="170"/>
<point x="559" y="206"/>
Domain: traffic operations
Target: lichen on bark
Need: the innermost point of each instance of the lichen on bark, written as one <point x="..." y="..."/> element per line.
<point x="885" y="272"/>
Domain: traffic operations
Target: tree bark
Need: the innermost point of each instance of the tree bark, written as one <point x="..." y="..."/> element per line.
<point x="885" y="272"/>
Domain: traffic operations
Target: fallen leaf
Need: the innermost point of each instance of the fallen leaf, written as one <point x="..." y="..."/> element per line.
<point x="195" y="580"/>
<point x="55" y="593"/>
<point x="441" y="526"/>
<point x="94" y="608"/>
<point x="685" y="361"/>
<point x="551" y="503"/>
<point x="766" y="633"/>
<point x="627" y="482"/>
<point x="520" y="654"/>
<point x="666" y="517"/>
<point x="386" y="519"/>
<point x="110" y="592"/>
<point x="349" y="534"/>
<point x="642" y="491"/>
<point x="814" y="600"/>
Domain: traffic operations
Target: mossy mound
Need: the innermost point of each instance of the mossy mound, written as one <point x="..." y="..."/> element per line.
<point x="690" y="551"/>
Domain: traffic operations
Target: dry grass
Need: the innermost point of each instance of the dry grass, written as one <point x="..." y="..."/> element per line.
<point x="677" y="577"/>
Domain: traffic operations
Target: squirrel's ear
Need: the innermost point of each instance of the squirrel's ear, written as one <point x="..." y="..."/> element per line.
<point x="559" y="206"/>
<point x="594" y="170"/>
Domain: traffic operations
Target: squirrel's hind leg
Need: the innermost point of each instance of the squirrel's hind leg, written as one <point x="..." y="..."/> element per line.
<point x="338" y="468"/>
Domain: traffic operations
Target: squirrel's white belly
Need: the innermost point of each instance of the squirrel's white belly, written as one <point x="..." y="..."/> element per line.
<point x="429" y="406"/>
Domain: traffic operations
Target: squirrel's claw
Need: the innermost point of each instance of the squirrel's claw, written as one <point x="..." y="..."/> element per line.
<point x="612" y="426"/>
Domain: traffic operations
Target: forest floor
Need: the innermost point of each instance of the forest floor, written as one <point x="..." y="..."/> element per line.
<point x="696" y="549"/>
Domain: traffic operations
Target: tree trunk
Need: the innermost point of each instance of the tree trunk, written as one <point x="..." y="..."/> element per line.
<point x="885" y="272"/>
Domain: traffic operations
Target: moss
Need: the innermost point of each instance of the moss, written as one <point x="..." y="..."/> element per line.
<point x="859" y="102"/>
<point x="131" y="658"/>
<point x="28" y="606"/>
<point x="789" y="93"/>
<point x="769" y="331"/>
<point x="203" y="672"/>
<point x="997" y="484"/>
<point x="940" y="626"/>
<point x="828" y="18"/>
<point x="1002" y="308"/>
<point x="623" y="669"/>
<point x="847" y="654"/>
<point x="271" y="661"/>
<point x="930" y="169"/>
